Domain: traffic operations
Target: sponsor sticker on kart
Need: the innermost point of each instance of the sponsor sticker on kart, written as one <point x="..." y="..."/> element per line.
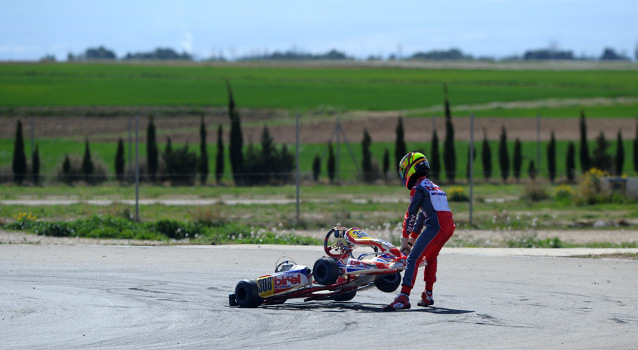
<point x="265" y="286"/>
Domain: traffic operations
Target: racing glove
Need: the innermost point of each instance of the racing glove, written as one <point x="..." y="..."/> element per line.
<point x="406" y="245"/>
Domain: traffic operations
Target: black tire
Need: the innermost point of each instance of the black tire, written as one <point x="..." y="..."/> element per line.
<point x="246" y="294"/>
<point x="325" y="271"/>
<point x="345" y="296"/>
<point x="388" y="283"/>
<point x="231" y="300"/>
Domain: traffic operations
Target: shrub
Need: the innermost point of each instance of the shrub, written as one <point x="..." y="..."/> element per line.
<point x="535" y="192"/>
<point x="590" y="187"/>
<point x="564" y="192"/>
<point x="316" y="168"/>
<point x="181" y="166"/>
<point x="457" y="194"/>
<point x="209" y="216"/>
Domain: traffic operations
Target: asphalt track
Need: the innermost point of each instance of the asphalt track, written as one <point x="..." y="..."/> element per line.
<point x="62" y="297"/>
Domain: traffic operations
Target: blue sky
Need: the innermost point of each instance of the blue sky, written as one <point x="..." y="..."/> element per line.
<point x="497" y="28"/>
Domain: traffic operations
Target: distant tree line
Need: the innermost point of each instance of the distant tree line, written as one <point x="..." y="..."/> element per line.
<point x="103" y="54"/>
<point x="551" y="53"/>
<point x="296" y="55"/>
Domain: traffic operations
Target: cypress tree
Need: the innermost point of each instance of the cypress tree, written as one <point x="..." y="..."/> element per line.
<point x="386" y="164"/>
<point x="449" y="154"/>
<point x="486" y="157"/>
<point x="620" y="155"/>
<point x="531" y="170"/>
<point x="571" y="162"/>
<point x="600" y="158"/>
<point x="331" y="163"/>
<point x="636" y="149"/>
<point x="203" y="153"/>
<point x="399" y="146"/>
<point x="551" y="158"/>
<point x="19" y="164"/>
<point x="152" y="155"/>
<point x="87" y="163"/>
<point x="66" y="169"/>
<point x="585" y="159"/>
<point x="366" y="161"/>
<point x="268" y="160"/>
<point x="503" y="155"/>
<point x="236" y="139"/>
<point x="435" y="158"/>
<point x="119" y="161"/>
<point x="219" y="164"/>
<point x="169" y="162"/>
<point x="316" y="168"/>
<point x="35" y="165"/>
<point x="517" y="161"/>
<point x="169" y="146"/>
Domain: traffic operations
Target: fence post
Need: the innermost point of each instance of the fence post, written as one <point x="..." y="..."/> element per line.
<point x="338" y="152"/>
<point x="137" y="168"/>
<point x="471" y="165"/>
<point x="298" y="171"/>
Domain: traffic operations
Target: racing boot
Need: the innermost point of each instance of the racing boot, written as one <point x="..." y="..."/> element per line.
<point x="426" y="298"/>
<point x="401" y="302"/>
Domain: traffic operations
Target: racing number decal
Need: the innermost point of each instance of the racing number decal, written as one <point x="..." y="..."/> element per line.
<point x="359" y="234"/>
<point x="265" y="287"/>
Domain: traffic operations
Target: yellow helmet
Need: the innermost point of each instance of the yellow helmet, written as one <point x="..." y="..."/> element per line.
<point x="413" y="163"/>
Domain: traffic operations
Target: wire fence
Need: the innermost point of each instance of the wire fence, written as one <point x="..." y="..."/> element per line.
<point x="72" y="160"/>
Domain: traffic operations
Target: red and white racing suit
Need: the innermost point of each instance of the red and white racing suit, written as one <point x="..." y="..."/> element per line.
<point x="429" y="207"/>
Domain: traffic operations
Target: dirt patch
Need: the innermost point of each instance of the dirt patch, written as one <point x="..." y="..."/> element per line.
<point x="9" y="237"/>
<point x="106" y="124"/>
<point x="621" y="256"/>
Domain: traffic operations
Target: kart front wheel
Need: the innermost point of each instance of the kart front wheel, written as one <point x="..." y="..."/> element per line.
<point x="345" y="296"/>
<point x="388" y="283"/>
<point x="246" y="294"/>
<point x="325" y="271"/>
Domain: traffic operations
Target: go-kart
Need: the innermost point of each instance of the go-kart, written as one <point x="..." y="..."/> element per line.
<point x="337" y="276"/>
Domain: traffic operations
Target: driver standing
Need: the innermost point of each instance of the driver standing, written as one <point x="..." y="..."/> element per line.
<point x="429" y="207"/>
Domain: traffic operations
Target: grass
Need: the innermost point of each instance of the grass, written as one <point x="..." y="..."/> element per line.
<point x="302" y="88"/>
<point x="323" y="206"/>
<point x="112" y="227"/>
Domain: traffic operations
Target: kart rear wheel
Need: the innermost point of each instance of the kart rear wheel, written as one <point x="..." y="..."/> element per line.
<point x="388" y="283"/>
<point x="246" y="294"/>
<point x="325" y="271"/>
<point x="345" y="296"/>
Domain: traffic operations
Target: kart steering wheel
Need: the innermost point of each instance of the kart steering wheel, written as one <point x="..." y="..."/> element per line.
<point x="340" y="249"/>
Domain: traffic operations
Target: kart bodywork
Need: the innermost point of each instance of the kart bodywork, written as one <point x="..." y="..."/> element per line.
<point x="337" y="276"/>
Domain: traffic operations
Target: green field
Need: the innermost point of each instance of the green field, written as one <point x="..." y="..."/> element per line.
<point x="308" y="88"/>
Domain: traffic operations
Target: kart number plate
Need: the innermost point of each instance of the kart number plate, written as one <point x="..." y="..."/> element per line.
<point x="265" y="286"/>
